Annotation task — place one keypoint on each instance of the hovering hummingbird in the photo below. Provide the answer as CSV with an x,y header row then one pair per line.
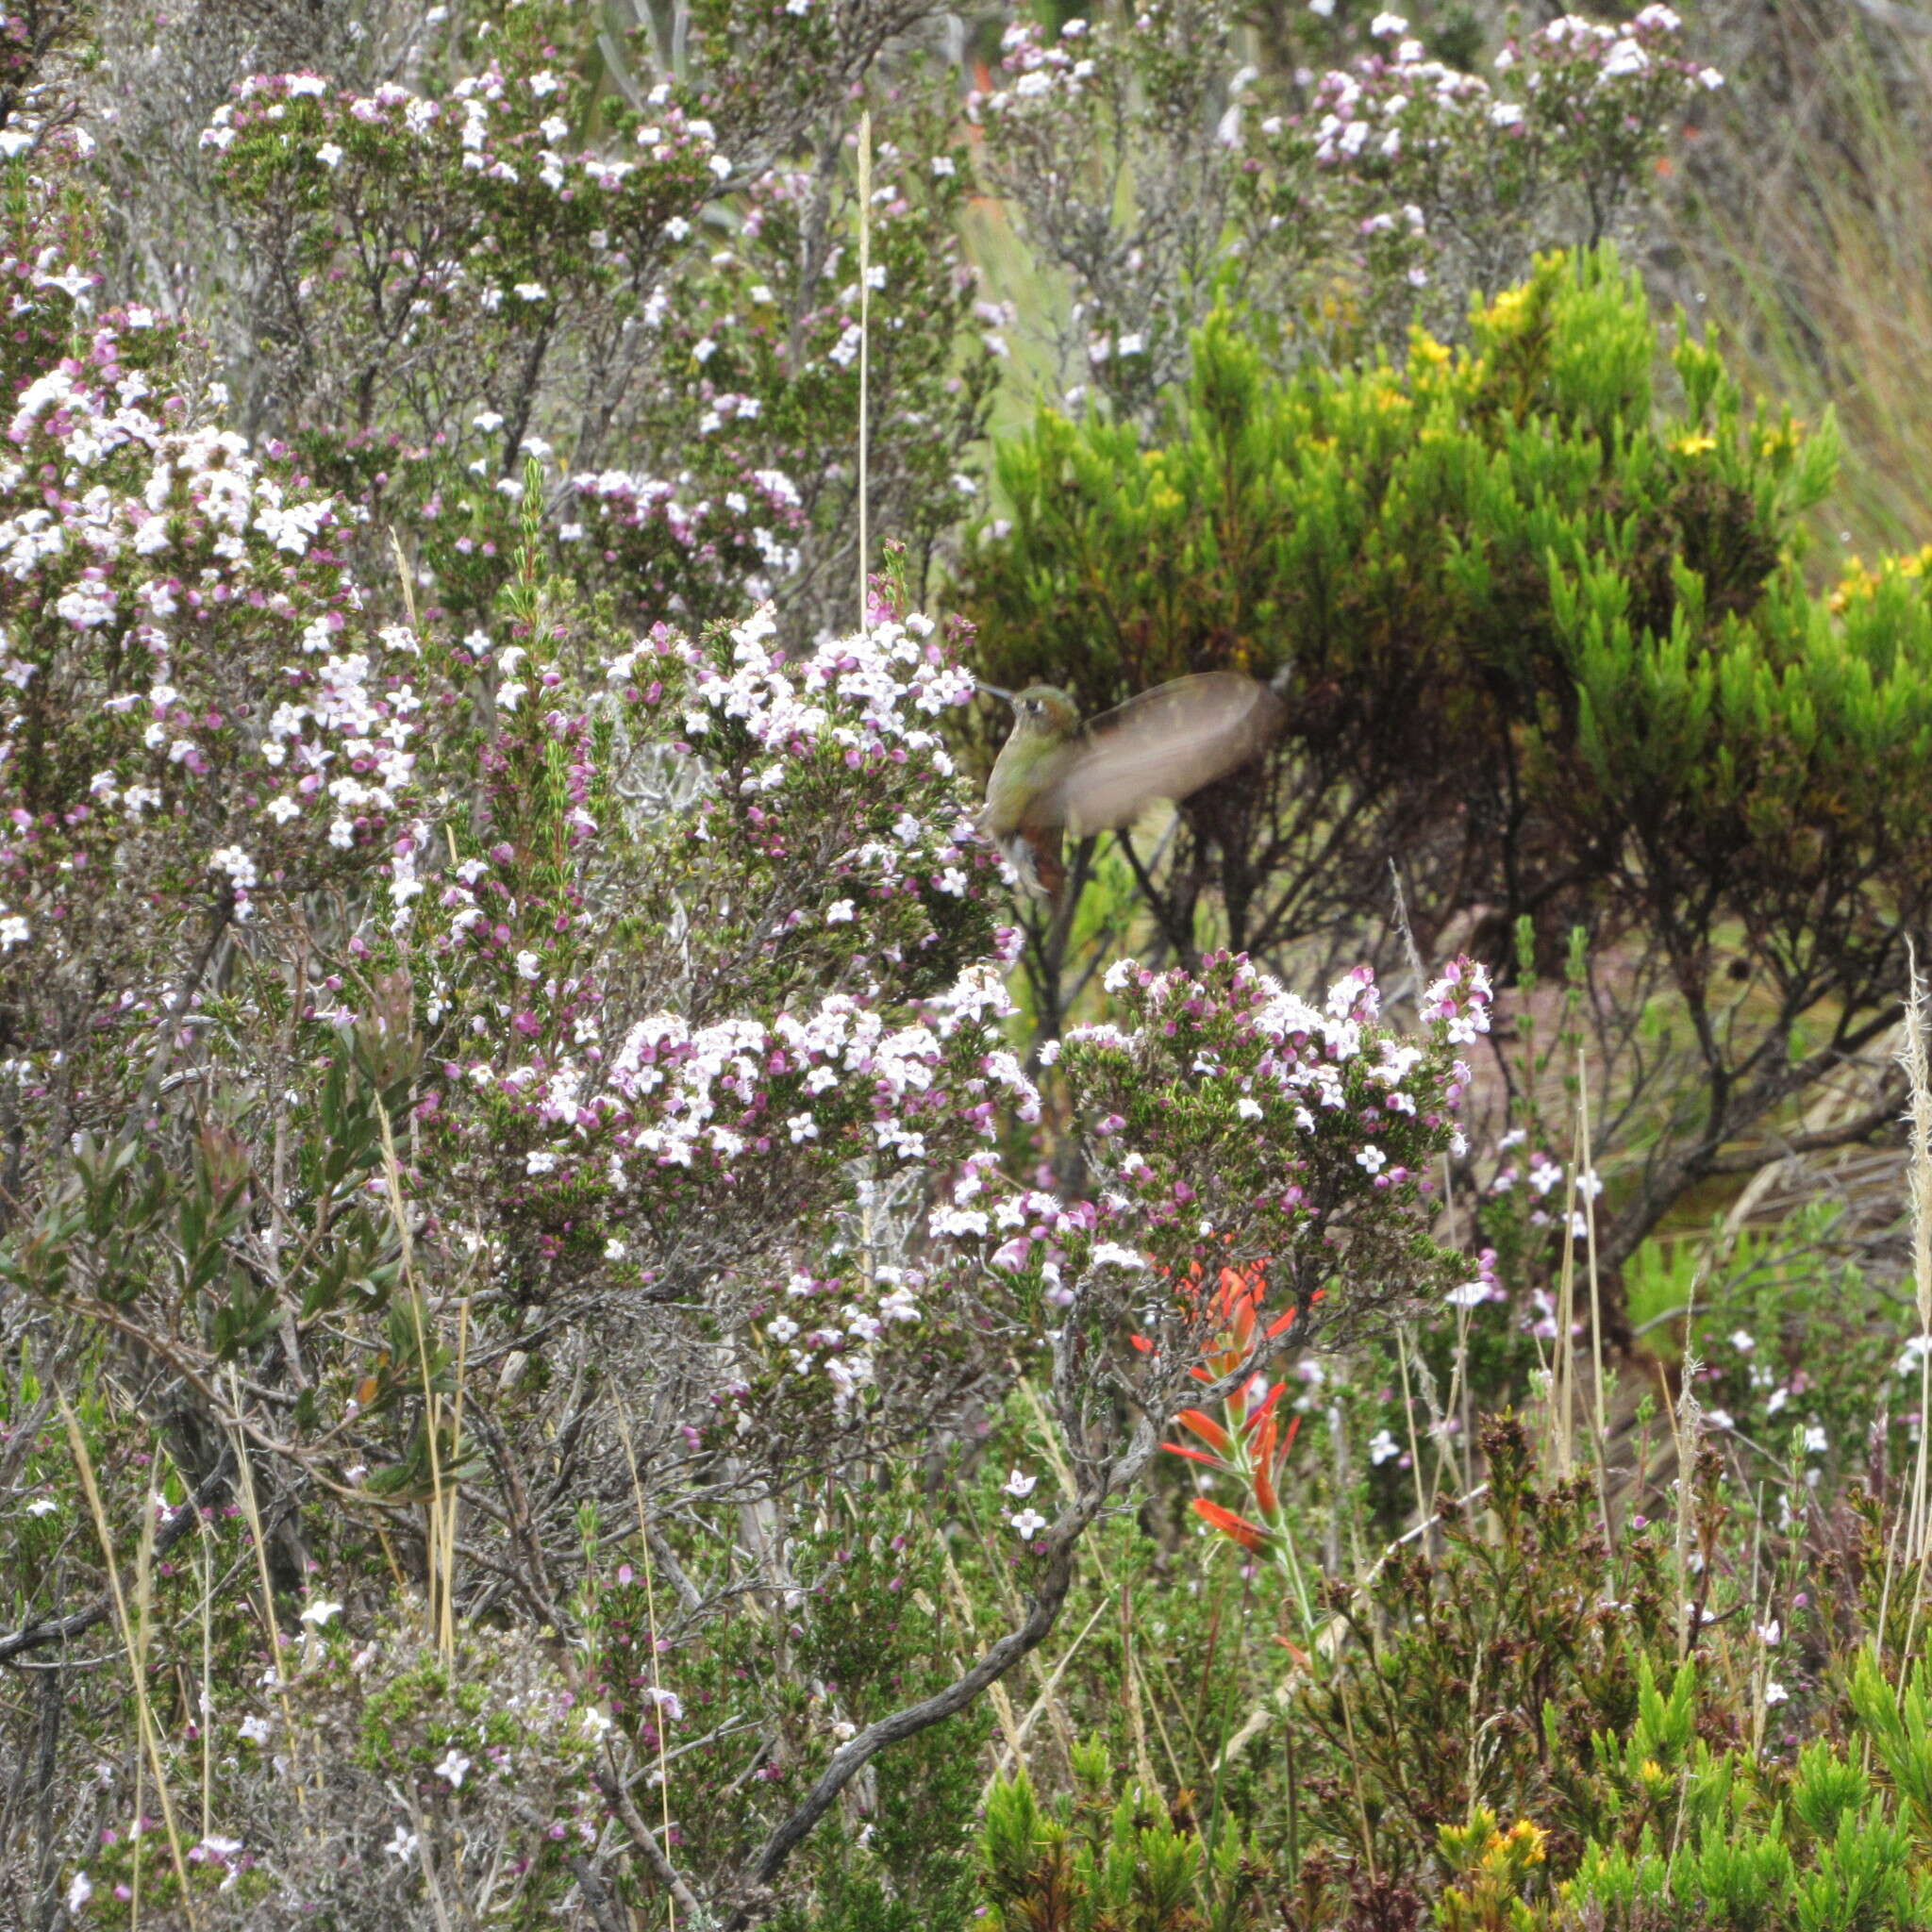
x,y
1054,773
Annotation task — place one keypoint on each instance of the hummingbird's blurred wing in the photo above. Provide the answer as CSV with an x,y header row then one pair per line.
x,y
1166,743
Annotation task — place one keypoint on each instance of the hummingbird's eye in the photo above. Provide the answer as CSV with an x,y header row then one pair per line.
x,y
1034,705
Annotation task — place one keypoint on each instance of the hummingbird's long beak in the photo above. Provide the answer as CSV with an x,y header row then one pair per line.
x,y
992,690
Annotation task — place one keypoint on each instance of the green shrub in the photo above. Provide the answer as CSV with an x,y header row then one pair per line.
x,y
1541,608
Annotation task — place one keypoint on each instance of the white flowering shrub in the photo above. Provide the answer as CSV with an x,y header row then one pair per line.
x,y
494,1745
501,262
1449,180
194,710
1232,1125
1424,180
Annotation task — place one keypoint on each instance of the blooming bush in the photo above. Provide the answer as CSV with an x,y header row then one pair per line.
x,y
509,265
1449,180
1410,173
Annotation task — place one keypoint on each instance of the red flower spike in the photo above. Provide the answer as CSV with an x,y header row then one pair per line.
x,y
1192,1455
1142,1343
1285,1322
1264,1471
1251,1536
1203,1425
1266,1402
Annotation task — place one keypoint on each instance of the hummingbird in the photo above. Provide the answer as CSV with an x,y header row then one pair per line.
x,y
1054,774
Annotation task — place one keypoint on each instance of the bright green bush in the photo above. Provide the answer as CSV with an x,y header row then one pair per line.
x,y
1540,607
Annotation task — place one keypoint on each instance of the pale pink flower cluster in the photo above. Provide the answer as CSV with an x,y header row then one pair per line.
x,y
1405,100
745,534
506,130
182,591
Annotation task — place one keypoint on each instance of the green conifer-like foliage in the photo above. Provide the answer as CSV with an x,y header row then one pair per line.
x,y
1540,607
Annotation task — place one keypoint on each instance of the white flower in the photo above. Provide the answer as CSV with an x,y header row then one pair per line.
x,y
1388,27
1469,1294
839,913
254,1730
1774,1692
42,1505
1770,1633
403,1845
1020,1485
1029,1522
1382,1447
236,863
1111,1254
1816,1441
320,1611
1371,1159
79,1892
455,1767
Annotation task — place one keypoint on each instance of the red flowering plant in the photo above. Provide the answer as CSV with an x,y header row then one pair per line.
x,y
1247,1443
1235,1132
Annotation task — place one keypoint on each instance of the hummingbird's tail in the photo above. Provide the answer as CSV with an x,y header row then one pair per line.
x,y
1036,857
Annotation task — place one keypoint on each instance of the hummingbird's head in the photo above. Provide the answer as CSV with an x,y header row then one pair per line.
x,y
1046,711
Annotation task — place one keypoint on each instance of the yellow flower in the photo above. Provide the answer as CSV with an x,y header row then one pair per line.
x,y
1695,445
1506,310
1526,1841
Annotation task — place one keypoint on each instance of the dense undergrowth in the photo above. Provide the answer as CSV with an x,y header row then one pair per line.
x,y
598,1324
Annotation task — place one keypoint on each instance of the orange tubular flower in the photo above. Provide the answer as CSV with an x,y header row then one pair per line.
x,y
1251,1420
1251,1536
1203,1425
1264,1466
